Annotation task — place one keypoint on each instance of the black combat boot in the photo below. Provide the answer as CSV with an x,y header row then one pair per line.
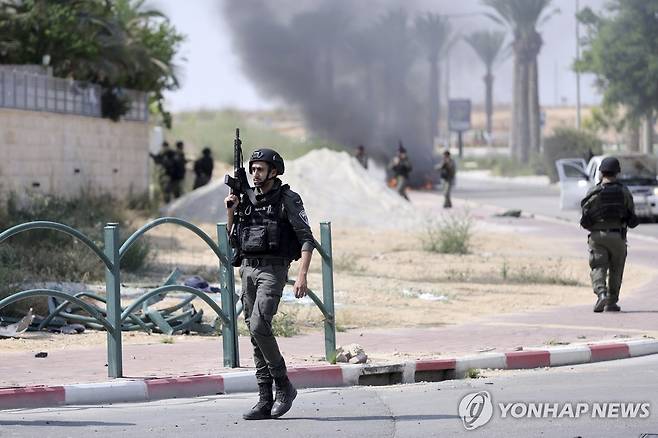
x,y
285,394
612,307
601,303
263,408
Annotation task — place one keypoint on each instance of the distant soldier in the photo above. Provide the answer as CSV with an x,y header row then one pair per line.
x,y
448,170
607,211
361,156
401,168
165,162
203,168
178,170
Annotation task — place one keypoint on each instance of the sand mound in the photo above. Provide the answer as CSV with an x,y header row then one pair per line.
x,y
332,184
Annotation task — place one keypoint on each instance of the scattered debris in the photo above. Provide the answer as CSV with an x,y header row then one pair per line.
x,y
352,353
69,329
427,296
21,326
41,354
485,349
509,213
200,283
66,317
431,297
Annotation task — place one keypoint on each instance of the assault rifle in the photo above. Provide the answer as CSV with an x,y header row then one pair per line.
x,y
238,182
239,186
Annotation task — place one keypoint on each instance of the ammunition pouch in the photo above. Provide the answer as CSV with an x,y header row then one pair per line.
x,y
260,239
253,239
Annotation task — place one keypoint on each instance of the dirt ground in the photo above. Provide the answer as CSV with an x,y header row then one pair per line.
x,y
386,279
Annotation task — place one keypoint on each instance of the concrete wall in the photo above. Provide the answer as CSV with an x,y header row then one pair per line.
x,y
64,154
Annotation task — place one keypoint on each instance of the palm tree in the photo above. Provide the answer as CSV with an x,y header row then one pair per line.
x,y
523,17
487,45
433,32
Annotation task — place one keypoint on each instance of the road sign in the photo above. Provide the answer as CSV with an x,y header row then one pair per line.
x,y
459,115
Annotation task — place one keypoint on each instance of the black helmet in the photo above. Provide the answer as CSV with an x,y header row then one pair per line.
x,y
610,165
269,156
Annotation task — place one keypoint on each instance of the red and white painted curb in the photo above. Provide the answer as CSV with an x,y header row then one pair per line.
x,y
139,390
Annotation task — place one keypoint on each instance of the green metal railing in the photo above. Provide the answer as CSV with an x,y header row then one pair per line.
x,y
113,317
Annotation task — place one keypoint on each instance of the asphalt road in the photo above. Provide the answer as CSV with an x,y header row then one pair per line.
x,y
530,198
429,409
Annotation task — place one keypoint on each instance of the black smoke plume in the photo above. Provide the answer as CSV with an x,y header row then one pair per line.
x,y
356,73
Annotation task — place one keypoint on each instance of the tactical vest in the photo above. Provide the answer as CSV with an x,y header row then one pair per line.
x,y
606,204
264,230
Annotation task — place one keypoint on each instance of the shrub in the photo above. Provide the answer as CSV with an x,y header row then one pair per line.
x,y
285,324
54,256
569,143
448,235
472,373
346,262
138,256
502,165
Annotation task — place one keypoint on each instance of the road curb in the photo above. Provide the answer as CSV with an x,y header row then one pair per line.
x,y
140,390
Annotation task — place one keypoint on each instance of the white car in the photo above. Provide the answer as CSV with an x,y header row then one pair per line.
x,y
638,173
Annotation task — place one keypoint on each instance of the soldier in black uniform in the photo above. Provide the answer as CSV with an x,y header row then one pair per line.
x,y
401,168
203,168
269,235
361,156
607,211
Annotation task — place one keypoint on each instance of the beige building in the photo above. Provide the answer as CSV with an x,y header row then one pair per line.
x,y
52,140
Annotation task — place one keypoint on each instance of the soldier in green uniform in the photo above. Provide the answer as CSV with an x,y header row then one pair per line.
x,y
607,211
269,235
448,171
165,161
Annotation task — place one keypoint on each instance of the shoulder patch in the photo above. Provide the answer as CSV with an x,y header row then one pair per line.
x,y
302,215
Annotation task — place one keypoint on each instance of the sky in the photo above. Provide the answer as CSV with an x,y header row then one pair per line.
x,y
212,77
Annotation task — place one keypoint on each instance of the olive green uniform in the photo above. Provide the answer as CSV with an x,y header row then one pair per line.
x,y
448,170
607,238
164,161
263,279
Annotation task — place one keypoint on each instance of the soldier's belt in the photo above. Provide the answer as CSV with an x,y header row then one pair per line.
x,y
265,261
610,230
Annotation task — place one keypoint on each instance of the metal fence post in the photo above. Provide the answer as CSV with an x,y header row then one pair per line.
x,y
14,90
227,283
328,291
113,285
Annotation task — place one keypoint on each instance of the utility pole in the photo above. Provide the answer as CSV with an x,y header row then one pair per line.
x,y
577,60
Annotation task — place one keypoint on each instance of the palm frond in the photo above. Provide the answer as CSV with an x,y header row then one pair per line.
x,y
487,44
521,16
433,33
